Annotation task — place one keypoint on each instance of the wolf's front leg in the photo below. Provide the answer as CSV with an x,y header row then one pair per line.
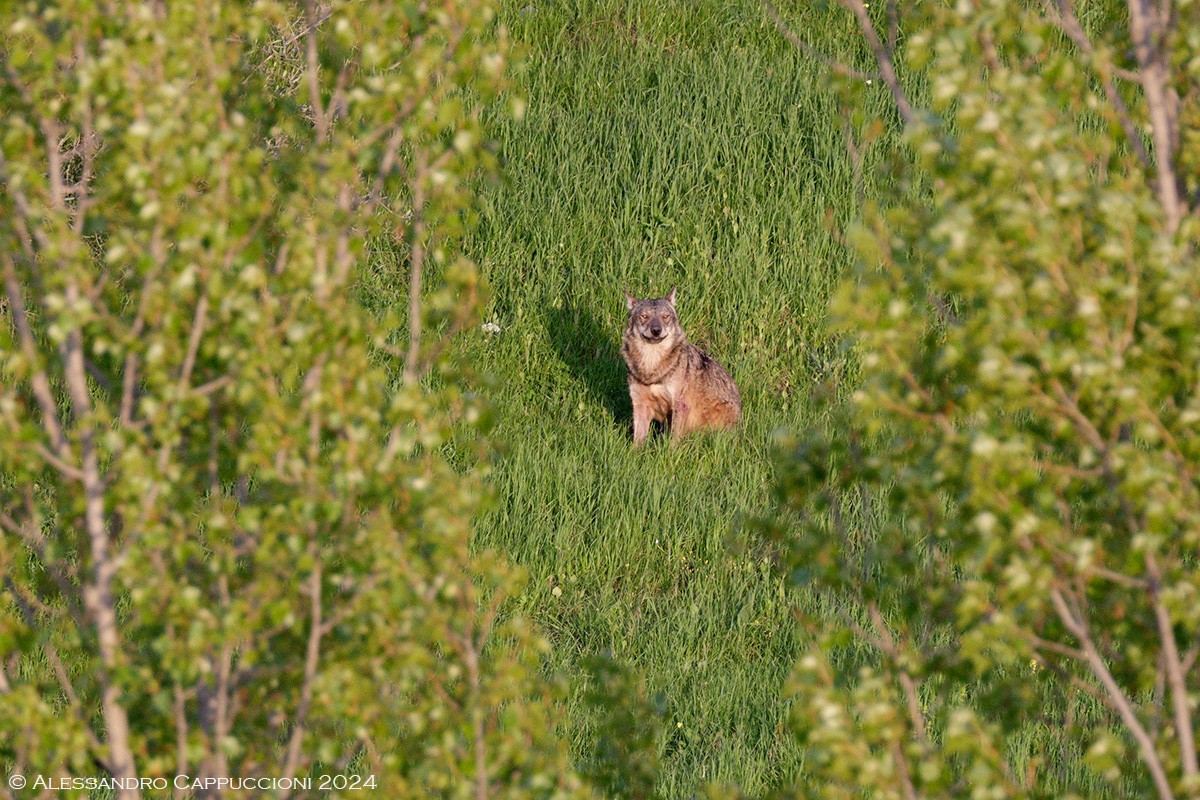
x,y
641,422
679,420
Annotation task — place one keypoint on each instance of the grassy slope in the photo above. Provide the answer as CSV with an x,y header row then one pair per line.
x,y
665,143
669,142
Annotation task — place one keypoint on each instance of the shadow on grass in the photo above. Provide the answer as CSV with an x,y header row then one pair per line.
x,y
589,350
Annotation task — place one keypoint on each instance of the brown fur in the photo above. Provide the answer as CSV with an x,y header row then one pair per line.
x,y
670,379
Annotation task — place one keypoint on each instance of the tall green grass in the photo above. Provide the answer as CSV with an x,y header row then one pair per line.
x,y
665,143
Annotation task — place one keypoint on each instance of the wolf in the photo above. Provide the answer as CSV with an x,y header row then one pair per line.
x,y
670,379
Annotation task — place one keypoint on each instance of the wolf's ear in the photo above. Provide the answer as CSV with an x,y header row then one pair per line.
x,y
629,301
671,297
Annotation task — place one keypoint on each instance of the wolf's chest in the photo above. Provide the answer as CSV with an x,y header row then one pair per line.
x,y
651,365
655,398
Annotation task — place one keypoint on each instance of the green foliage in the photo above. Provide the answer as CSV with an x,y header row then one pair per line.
x,y
1005,508
624,762
230,542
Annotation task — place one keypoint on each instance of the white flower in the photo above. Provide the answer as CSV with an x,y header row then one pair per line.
x,y
556,591
490,327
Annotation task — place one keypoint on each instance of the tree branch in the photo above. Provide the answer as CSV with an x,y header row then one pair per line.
x,y
98,592
60,671
38,380
1175,674
815,54
129,371
416,262
883,57
1065,20
1149,30
478,731
907,683
313,73
903,771
1078,628
311,660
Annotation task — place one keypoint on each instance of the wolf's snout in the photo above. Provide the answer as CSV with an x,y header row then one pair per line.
x,y
656,328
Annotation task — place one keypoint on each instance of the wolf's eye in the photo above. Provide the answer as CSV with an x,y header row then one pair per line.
x,y
643,317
